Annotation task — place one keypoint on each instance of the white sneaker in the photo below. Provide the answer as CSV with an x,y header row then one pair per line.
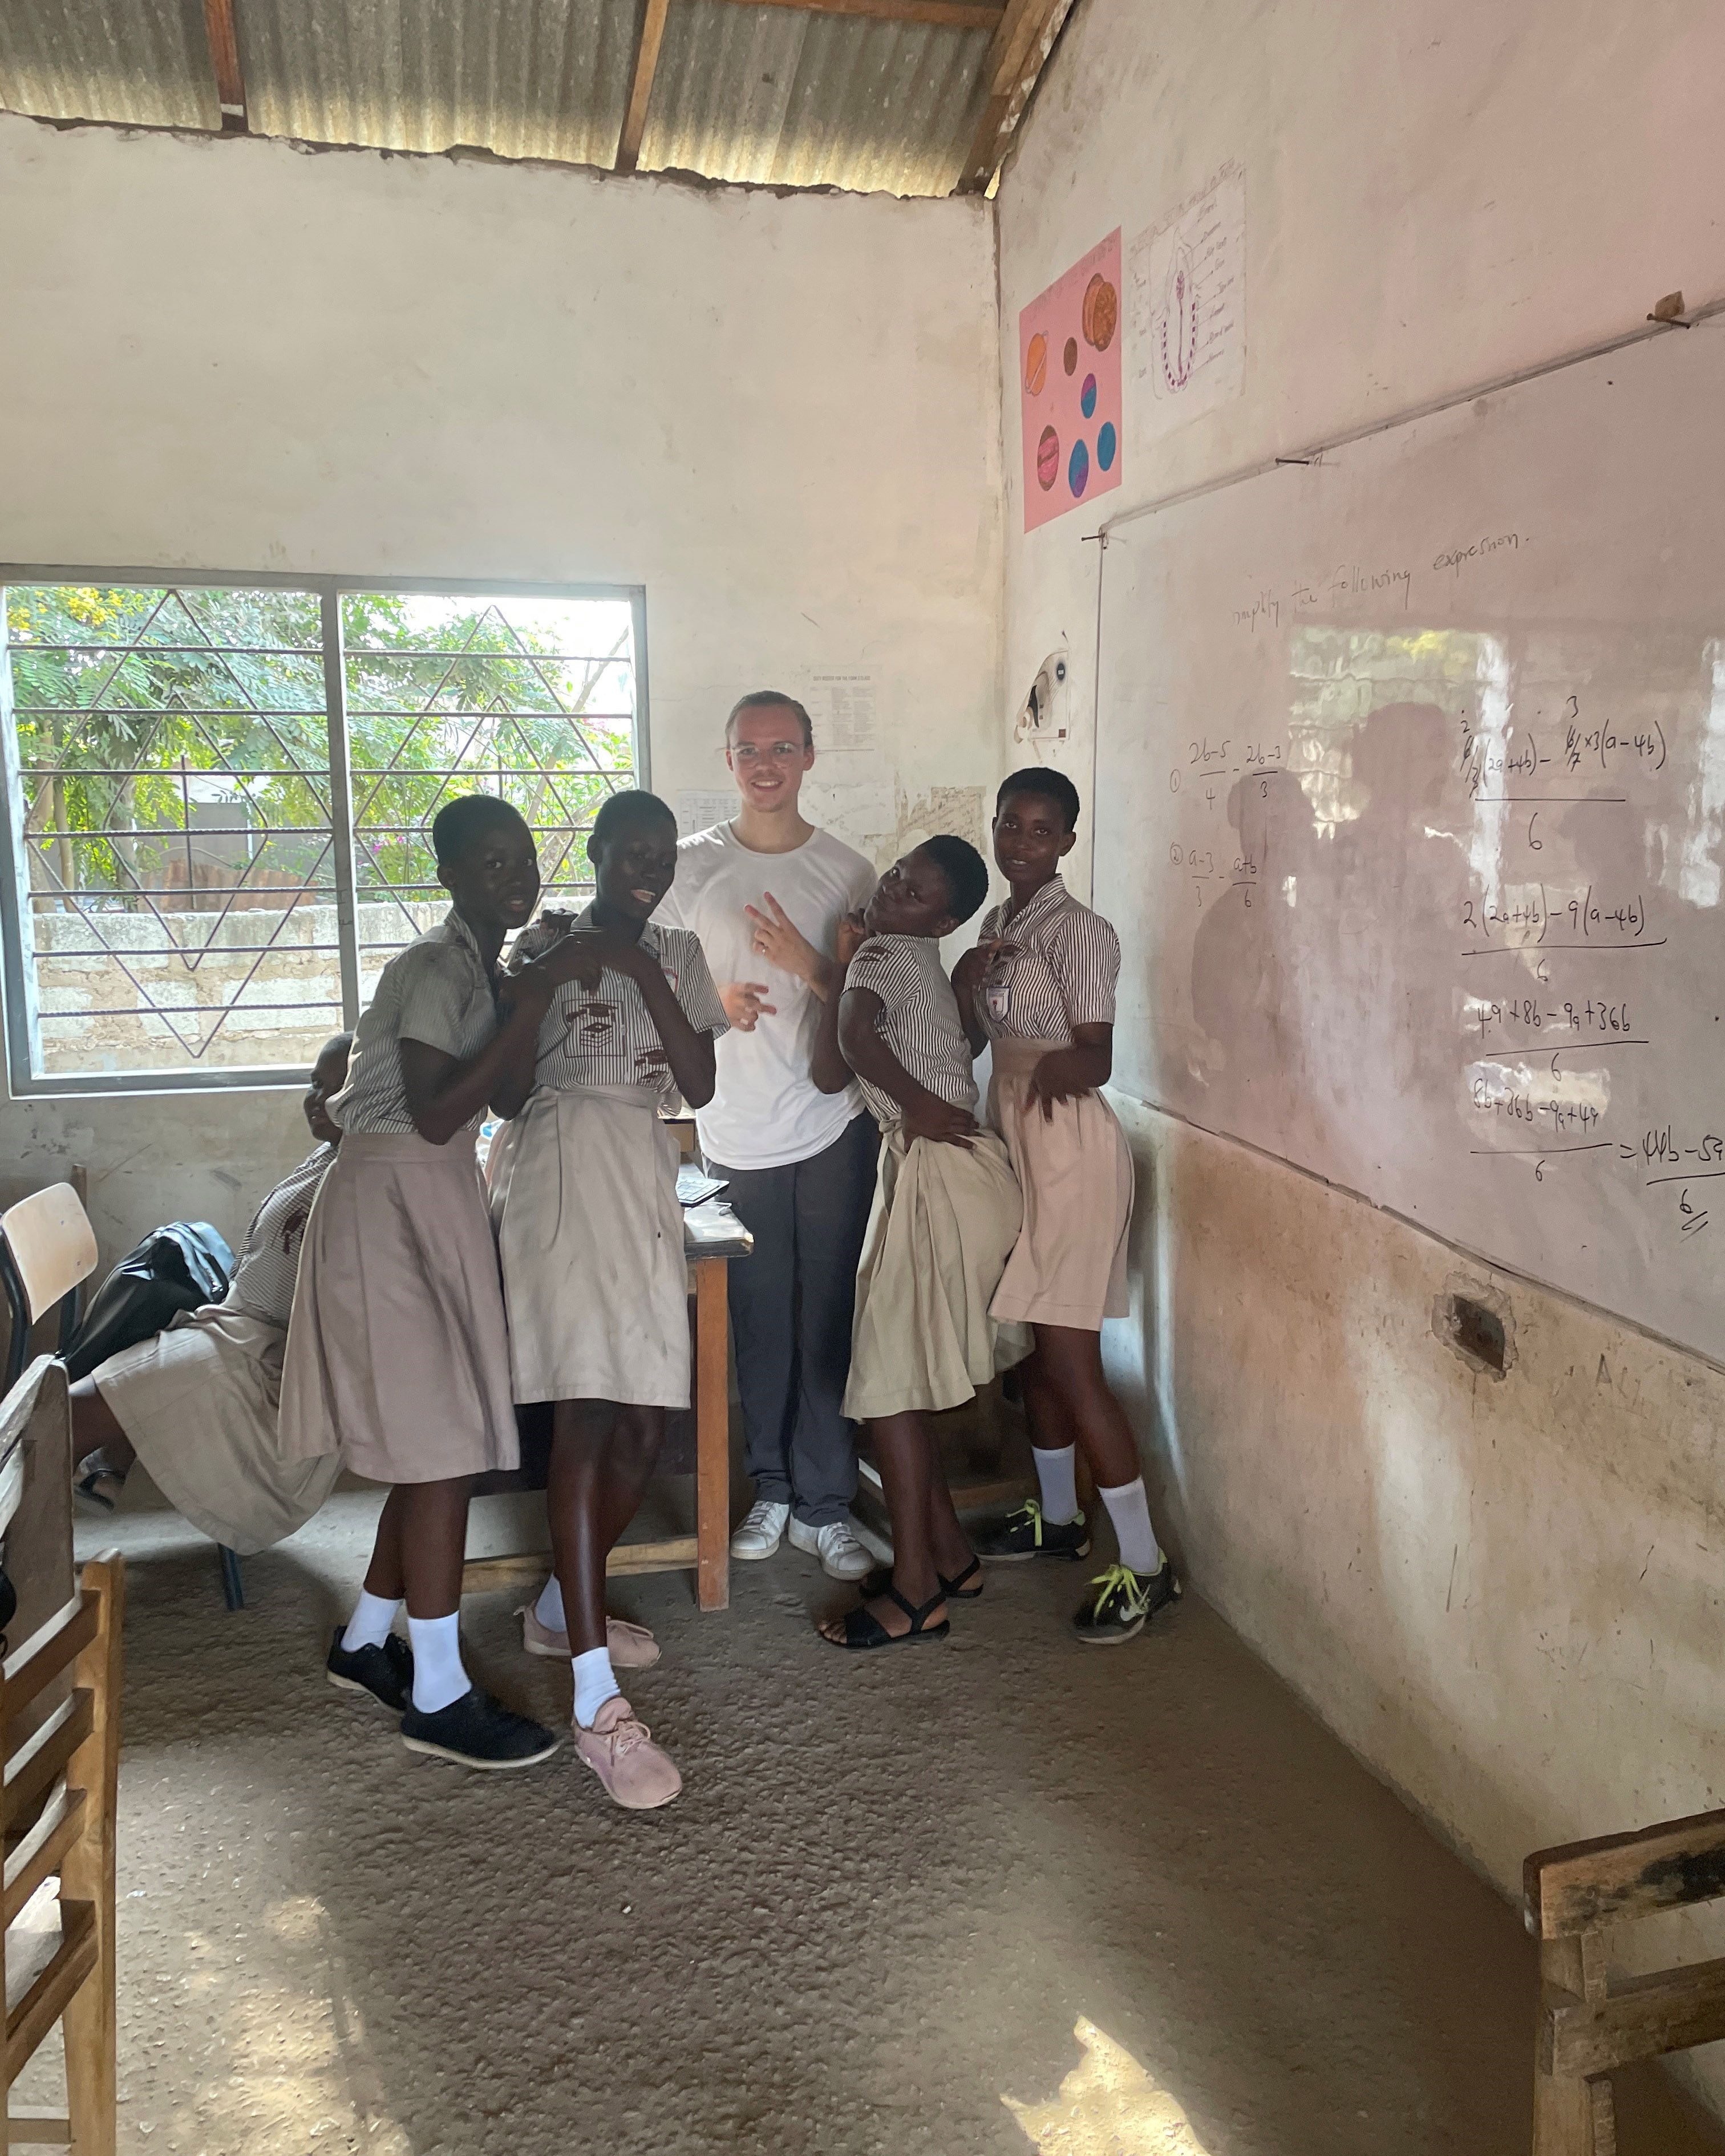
x,y
842,1556
760,1531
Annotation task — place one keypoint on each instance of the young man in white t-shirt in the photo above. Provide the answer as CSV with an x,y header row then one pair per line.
x,y
765,894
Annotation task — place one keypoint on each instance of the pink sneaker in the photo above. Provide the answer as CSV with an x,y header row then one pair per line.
x,y
621,1751
631,1647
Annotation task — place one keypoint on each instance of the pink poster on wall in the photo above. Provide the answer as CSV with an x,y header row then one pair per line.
x,y
1069,386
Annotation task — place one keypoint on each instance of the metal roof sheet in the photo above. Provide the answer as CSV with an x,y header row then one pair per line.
x,y
523,78
777,95
768,94
147,61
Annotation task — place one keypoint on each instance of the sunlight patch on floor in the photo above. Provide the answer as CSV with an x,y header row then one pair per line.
x,y
288,2070
1108,2106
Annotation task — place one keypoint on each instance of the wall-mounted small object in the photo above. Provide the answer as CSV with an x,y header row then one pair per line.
x,y
1476,1322
1670,309
1043,714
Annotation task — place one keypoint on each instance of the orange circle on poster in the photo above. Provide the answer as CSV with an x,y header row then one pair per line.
x,y
1101,313
1069,357
1048,459
1036,365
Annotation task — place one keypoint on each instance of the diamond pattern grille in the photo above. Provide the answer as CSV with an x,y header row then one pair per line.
x,y
177,902
534,702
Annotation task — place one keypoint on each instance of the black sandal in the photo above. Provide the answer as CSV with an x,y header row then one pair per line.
x,y
955,1590
88,1486
862,1629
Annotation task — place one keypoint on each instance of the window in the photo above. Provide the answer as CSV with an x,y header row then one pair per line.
x,y
219,796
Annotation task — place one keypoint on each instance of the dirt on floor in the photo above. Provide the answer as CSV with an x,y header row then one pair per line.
x,y
894,1887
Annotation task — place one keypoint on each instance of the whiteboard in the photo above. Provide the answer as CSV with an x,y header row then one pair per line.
x,y
1409,790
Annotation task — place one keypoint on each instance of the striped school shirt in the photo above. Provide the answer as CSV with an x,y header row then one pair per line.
x,y
438,990
918,1020
607,1036
1059,969
263,1285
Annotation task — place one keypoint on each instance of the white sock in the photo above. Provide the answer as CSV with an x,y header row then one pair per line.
x,y
1129,1509
1057,1472
549,1608
369,1625
595,1682
438,1677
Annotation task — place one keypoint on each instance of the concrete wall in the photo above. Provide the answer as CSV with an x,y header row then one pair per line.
x,y
1506,1594
779,413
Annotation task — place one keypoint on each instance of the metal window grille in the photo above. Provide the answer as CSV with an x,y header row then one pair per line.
x,y
219,795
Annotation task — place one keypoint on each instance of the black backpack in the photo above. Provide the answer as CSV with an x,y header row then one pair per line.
x,y
178,1267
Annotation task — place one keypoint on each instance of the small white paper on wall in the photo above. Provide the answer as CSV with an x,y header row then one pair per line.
x,y
1186,287
699,809
841,709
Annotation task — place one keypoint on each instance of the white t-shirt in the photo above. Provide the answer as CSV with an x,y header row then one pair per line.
x,y
765,1111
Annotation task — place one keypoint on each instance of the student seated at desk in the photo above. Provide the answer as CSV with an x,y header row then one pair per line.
x,y
584,1197
945,1215
198,1403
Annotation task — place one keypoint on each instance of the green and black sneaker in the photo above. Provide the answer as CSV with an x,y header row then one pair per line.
x,y
1026,1534
1121,1603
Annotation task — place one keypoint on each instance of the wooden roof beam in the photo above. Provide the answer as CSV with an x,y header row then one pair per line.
x,y
640,84
1022,44
224,55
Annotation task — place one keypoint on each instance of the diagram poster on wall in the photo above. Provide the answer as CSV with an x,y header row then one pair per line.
x,y
1187,280
1069,379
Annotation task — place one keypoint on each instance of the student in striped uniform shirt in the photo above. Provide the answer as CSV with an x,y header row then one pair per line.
x,y
945,1215
1039,987
584,1197
198,1402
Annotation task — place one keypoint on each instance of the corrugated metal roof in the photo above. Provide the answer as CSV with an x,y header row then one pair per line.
x,y
796,100
523,78
769,94
147,61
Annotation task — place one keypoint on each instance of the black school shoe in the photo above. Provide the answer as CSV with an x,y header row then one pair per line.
x,y
385,1672
1026,1534
478,1731
1121,1603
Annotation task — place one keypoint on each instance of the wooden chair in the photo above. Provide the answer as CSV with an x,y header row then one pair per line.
x,y
59,1741
67,1775
1571,1897
47,1249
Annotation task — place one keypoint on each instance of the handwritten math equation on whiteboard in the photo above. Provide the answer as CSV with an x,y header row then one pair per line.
x,y
1530,916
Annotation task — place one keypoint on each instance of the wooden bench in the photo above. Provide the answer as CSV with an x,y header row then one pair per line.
x,y
1572,1896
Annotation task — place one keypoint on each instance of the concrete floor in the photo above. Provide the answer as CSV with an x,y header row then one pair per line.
x,y
891,1888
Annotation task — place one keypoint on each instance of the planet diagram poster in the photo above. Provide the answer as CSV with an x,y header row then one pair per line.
x,y
1069,378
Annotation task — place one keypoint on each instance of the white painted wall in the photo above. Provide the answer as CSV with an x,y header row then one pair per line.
x,y
1504,1595
777,412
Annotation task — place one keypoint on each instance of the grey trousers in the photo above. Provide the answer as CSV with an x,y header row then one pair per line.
x,y
791,1308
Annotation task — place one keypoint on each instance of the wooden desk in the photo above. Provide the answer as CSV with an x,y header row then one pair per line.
x,y
707,1551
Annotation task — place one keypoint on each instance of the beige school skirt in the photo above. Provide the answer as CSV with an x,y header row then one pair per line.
x,y
943,1222
1068,1266
199,1404
584,1202
396,1353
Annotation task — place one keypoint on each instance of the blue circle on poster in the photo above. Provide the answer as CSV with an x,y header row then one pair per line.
x,y
1078,470
1087,397
1107,444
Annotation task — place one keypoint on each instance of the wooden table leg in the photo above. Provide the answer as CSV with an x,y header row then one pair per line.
x,y
712,1433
